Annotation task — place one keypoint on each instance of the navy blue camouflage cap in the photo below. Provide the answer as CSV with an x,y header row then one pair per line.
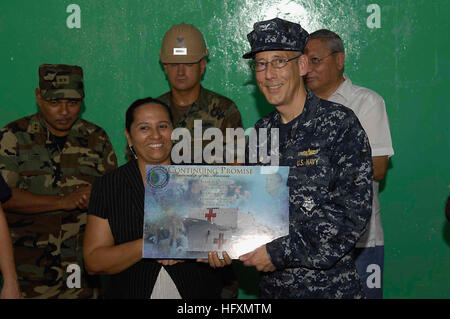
x,y
276,35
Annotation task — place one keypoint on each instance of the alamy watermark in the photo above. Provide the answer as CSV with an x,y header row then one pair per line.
x,y
237,147
74,279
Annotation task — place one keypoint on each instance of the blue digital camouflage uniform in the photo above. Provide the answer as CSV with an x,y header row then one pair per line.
x,y
46,243
330,184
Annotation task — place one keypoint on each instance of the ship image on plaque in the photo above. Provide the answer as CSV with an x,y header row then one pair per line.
x,y
191,210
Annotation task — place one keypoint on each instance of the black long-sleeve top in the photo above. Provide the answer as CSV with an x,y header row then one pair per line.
x,y
119,197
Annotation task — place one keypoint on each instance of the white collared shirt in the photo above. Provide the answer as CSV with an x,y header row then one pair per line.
x,y
164,287
370,109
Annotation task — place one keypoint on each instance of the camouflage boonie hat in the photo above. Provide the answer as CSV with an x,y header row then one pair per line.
x,y
276,35
60,81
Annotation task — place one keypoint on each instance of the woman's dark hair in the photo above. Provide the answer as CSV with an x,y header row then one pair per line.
x,y
129,115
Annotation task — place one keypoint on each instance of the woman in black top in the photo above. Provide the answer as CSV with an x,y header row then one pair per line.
x,y
113,240
10,288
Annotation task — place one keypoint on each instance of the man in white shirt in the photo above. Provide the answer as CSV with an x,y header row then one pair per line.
x,y
327,80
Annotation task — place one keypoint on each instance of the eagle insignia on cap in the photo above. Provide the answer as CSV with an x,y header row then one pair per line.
x,y
180,42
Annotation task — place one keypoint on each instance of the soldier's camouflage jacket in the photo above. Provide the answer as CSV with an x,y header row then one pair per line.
x,y
330,186
46,243
213,109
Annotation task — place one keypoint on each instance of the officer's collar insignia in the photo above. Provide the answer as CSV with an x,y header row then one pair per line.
x,y
180,42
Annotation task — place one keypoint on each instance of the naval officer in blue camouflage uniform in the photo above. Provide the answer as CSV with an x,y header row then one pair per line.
x,y
330,177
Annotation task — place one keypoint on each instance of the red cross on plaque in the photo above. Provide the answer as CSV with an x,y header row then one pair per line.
x,y
210,214
220,240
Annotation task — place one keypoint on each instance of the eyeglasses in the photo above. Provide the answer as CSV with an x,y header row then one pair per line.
x,y
317,61
278,63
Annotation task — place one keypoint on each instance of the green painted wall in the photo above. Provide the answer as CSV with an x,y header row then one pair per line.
x,y
406,60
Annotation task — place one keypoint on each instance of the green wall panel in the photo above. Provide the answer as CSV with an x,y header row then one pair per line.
x,y
406,60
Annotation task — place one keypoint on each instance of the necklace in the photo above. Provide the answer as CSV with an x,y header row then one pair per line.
x,y
59,141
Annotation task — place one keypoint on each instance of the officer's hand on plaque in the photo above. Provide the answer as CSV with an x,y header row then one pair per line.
x,y
258,258
214,261
447,207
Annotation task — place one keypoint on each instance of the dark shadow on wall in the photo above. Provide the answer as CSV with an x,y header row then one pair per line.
x,y
83,108
446,226
383,182
446,232
262,106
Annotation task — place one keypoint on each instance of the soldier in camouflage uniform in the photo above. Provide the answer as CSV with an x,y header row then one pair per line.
x,y
183,54
330,179
50,160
